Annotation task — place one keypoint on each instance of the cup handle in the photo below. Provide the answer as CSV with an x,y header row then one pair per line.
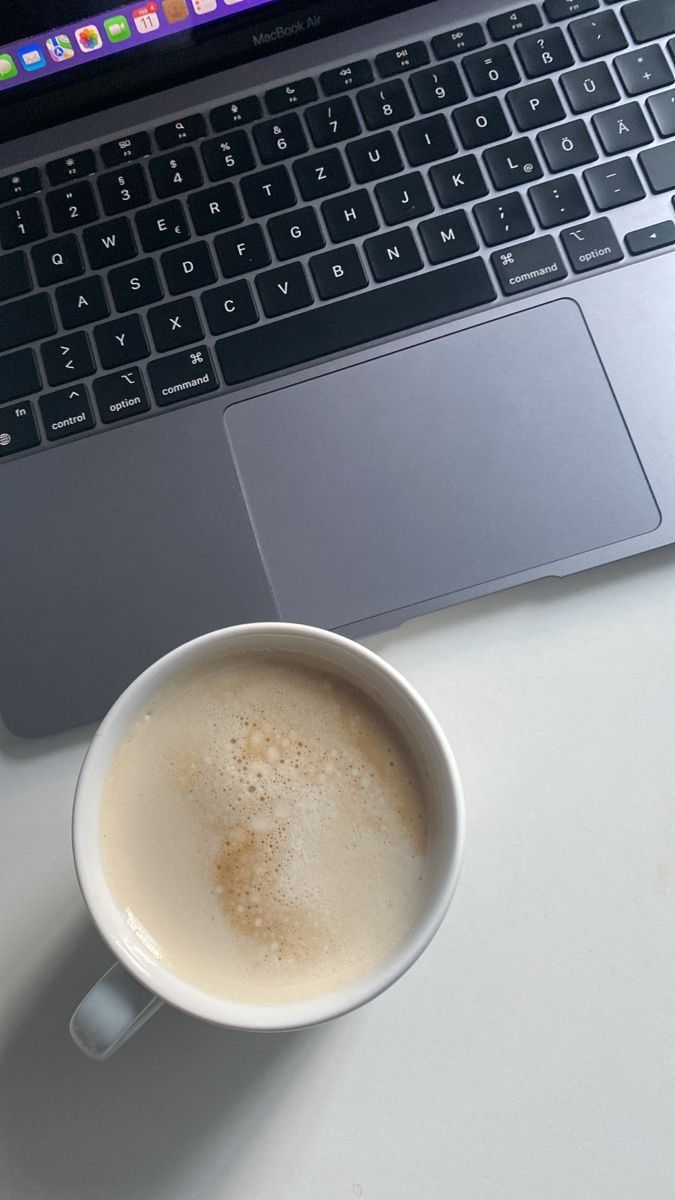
x,y
111,1012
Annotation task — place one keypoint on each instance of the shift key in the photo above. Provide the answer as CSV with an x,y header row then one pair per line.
x,y
528,265
26,320
182,376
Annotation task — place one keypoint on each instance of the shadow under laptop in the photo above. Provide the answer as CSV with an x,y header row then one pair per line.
x,y
74,1129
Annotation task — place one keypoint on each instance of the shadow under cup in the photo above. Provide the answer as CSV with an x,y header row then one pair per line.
x,y
443,798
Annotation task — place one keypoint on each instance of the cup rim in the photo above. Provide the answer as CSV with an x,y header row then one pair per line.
x,y
161,981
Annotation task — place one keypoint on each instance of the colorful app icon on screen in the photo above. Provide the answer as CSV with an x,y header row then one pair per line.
x,y
60,47
145,18
175,11
7,67
32,58
204,6
117,28
88,38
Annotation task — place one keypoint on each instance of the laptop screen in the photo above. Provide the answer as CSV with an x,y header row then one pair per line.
x,y
86,54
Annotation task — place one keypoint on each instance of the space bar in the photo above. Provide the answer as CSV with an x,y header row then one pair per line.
x,y
347,323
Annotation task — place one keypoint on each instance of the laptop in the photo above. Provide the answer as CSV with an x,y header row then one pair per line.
x,y
326,312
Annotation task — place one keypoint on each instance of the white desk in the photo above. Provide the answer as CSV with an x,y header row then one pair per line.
x,y
530,1055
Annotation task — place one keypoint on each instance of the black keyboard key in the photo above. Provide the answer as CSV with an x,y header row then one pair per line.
x,y
175,173
188,269
121,395
351,75
185,129
510,24
590,87
321,175
662,111
162,226
490,70
560,10
658,165
289,95
402,59
374,157
18,430
268,192
67,358
456,182
121,341
503,219
393,254
447,237
545,52
622,128
438,87
513,164
14,275
236,112
134,285
22,222
458,41
215,208
280,139
183,376
225,157
296,233
73,166
591,245
404,198
350,216
124,189
125,149
66,413
651,237
535,105
385,104
284,290
597,35
19,376
528,265
368,316
558,201
481,123
175,324
230,307
567,146
26,320
649,19
72,206
615,183
338,272
20,183
57,259
242,251
643,70
83,302
109,243
427,140
333,121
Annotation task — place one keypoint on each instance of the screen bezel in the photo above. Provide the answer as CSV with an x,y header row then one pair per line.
x,y
141,71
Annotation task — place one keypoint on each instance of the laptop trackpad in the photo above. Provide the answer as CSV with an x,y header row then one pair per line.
x,y
468,458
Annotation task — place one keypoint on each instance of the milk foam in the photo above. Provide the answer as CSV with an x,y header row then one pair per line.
x,y
264,829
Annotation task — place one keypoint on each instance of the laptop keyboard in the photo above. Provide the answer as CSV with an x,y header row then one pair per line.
x,y
382,195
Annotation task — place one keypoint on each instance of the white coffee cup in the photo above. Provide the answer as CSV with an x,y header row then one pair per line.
x,y
137,984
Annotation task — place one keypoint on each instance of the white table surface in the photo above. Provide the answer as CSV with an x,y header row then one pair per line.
x,y
530,1055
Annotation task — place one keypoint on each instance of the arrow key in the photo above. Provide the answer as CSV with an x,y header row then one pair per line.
x,y
651,237
67,412
67,358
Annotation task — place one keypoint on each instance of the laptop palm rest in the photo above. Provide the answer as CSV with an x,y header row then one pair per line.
x,y
424,471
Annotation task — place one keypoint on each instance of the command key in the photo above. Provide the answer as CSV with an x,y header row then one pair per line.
x,y
528,265
182,376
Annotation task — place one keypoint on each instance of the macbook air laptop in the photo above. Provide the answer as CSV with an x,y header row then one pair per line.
x,y
335,312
